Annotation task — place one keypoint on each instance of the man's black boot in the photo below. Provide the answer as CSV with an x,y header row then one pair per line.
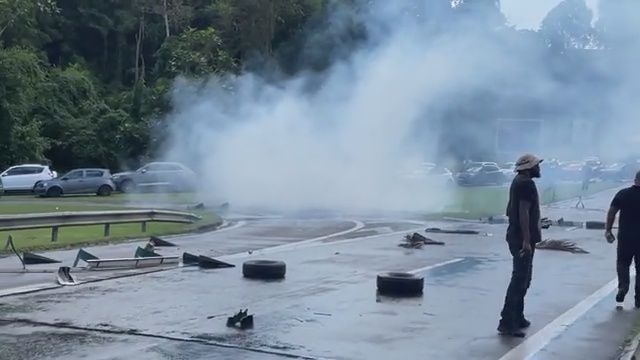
x,y
524,323
509,330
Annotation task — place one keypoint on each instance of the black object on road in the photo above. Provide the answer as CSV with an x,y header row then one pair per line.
x,y
264,269
400,284
241,320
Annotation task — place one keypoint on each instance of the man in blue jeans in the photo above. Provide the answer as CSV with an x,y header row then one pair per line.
x,y
523,233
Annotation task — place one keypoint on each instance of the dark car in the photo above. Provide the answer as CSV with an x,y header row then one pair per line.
x,y
485,174
167,176
75,182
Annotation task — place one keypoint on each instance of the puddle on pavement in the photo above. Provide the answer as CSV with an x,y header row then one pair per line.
x,y
35,343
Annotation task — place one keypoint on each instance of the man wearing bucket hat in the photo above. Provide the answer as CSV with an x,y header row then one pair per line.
x,y
523,232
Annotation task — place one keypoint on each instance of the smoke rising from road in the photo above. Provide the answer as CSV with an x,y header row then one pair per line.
x,y
346,141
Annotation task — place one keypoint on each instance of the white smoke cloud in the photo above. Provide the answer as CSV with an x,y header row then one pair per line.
x,y
344,145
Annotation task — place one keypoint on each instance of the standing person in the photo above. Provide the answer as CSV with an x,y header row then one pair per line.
x,y
523,233
627,202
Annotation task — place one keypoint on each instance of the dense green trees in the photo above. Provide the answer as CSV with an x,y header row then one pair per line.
x,y
83,82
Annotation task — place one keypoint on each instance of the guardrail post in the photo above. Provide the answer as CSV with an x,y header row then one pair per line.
x,y
54,234
107,230
143,226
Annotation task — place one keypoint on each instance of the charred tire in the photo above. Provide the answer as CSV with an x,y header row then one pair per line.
x,y
104,190
54,192
127,186
400,284
594,225
264,269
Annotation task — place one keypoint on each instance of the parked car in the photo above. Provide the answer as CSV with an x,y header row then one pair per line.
x,y
1,188
78,181
22,178
170,176
618,172
571,171
487,173
431,173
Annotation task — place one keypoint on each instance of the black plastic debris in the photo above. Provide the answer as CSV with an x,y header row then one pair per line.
x,y
157,242
199,206
35,259
561,245
457,231
241,320
546,222
563,222
417,241
594,225
84,256
206,262
189,259
145,253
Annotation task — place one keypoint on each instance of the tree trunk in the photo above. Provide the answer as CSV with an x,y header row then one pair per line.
x,y
139,47
166,18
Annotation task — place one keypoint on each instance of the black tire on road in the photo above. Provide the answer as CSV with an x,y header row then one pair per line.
x,y
264,269
104,190
54,192
400,284
594,225
127,186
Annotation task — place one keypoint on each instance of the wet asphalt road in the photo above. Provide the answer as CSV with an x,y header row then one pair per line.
x,y
327,306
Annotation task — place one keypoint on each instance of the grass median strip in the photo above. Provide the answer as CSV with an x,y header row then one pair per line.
x,y
476,202
75,236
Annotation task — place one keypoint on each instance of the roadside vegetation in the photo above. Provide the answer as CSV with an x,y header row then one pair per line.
x,y
40,239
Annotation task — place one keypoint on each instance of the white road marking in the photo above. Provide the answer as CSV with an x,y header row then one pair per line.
x,y
28,289
295,245
430,267
532,345
235,226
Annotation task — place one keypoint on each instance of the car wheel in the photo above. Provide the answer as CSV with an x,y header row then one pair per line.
x,y
54,192
264,269
400,284
104,190
127,186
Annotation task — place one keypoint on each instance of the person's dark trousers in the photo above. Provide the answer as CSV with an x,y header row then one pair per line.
x,y
628,252
513,309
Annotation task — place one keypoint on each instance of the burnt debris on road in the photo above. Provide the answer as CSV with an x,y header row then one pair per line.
x,y
330,266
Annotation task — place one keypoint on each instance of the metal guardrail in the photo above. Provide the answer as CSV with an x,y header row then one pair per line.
x,y
87,218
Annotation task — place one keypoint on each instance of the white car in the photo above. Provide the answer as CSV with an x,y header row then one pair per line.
x,y
22,178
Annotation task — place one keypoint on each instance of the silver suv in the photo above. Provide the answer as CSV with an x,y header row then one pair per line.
x,y
167,176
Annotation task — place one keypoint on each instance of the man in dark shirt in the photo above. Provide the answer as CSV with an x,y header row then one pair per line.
x,y
627,202
523,232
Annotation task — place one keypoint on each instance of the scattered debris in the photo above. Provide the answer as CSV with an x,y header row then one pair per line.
x,y
158,242
561,245
457,231
264,269
594,225
64,276
400,284
322,314
199,206
417,241
35,259
546,222
241,320
563,222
